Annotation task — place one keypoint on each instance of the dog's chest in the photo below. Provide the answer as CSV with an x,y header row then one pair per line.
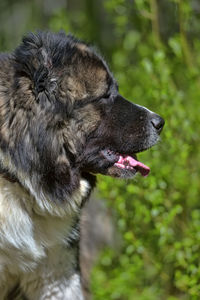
x,y
51,231
26,237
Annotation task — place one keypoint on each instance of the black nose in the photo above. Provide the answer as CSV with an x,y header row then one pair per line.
x,y
157,122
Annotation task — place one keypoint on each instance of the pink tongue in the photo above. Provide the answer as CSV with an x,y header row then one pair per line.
x,y
129,161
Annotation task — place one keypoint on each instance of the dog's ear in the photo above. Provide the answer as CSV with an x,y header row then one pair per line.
x,y
42,74
44,80
34,60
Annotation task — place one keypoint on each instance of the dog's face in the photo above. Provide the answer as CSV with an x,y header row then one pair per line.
x,y
124,130
67,118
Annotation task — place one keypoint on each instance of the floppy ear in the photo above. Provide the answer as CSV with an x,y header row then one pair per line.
x,y
34,60
44,81
38,58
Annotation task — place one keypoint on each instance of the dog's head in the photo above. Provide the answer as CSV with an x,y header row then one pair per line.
x,y
62,117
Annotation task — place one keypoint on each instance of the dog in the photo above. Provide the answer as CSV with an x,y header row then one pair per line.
x,y
62,121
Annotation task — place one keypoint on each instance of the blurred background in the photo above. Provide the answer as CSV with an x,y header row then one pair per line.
x,y
151,226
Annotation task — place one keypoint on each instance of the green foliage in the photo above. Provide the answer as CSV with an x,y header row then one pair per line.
x,y
158,217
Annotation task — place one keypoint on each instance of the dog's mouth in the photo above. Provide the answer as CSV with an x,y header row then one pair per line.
x,y
124,163
131,163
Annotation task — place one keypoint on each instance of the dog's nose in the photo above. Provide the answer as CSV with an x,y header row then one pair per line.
x,y
157,122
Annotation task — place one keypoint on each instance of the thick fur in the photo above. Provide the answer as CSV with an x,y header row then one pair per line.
x,y
59,109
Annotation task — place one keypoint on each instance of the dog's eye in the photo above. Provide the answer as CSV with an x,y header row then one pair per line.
x,y
106,96
105,99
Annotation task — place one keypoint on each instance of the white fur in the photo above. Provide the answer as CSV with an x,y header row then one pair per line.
x,y
33,243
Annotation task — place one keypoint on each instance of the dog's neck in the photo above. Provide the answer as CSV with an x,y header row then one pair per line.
x,y
43,207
